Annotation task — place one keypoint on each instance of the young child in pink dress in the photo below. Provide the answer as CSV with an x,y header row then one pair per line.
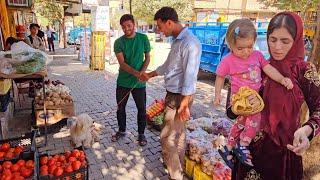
x,y
243,65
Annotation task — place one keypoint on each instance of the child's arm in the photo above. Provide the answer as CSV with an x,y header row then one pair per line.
x,y
274,74
217,90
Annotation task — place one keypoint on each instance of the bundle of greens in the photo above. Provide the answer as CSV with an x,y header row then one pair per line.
x,y
35,63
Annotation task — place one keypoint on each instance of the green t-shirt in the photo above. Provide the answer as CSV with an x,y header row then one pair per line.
x,y
133,50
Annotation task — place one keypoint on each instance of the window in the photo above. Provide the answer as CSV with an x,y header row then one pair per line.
x,y
19,3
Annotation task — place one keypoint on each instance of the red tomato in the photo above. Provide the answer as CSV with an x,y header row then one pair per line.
x,y
68,169
44,168
75,153
76,165
1,168
21,162
72,159
82,154
2,154
56,157
67,154
11,150
62,158
30,164
18,150
5,147
44,160
58,164
15,168
44,172
16,174
17,177
26,173
7,165
9,155
51,169
51,162
58,171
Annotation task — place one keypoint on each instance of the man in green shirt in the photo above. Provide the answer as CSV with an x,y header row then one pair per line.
x,y
132,51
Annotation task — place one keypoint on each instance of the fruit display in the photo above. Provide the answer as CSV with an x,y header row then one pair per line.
x,y
67,165
22,169
46,82
7,152
155,109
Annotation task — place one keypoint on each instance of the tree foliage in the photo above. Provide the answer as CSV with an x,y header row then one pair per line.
x,y
292,5
145,10
49,9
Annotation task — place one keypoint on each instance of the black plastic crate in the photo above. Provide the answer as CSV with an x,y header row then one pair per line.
x,y
32,155
81,174
27,141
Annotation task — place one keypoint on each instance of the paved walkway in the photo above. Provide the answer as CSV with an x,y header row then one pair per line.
x,y
94,93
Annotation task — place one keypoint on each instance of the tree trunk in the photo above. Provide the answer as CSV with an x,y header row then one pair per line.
x,y
315,56
64,32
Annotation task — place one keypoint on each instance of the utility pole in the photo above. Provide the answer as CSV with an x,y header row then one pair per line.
x,y
315,56
130,6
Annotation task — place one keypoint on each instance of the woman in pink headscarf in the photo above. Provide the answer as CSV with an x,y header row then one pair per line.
x,y
277,149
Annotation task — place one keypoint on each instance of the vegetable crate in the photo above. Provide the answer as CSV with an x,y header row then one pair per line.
x,y
156,108
71,165
20,169
15,148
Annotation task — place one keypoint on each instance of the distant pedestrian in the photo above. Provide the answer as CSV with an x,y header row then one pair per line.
x,y
50,38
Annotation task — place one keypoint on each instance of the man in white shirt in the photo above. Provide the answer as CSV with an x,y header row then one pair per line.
x,y
50,38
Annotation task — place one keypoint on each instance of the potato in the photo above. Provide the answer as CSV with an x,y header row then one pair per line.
x,y
56,95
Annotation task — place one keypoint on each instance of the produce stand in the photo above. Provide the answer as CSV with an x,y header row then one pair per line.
x,y
36,76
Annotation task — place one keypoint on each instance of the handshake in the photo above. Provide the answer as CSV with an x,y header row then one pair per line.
x,y
143,76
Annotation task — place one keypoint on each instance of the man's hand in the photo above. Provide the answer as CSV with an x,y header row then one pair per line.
x,y
184,113
144,76
287,83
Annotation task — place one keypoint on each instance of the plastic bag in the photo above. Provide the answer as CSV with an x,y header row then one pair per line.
x,y
5,66
222,126
22,52
209,161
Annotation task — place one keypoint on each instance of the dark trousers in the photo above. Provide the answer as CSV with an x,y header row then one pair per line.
x,y
50,44
139,96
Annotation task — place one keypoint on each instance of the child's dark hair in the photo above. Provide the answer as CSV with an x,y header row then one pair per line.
x,y
126,17
240,28
167,13
283,20
11,40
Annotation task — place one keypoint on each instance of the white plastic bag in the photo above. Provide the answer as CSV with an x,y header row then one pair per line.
x,y
22,52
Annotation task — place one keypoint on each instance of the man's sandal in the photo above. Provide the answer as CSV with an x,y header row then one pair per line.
x,y
142,140
117,136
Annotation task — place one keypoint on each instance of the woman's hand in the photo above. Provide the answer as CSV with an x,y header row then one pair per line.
x,y
300,142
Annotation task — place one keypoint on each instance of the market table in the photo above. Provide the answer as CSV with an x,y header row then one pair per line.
x,y
36,76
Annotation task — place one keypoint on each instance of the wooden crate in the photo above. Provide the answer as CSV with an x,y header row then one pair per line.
x,y
54,114
98,44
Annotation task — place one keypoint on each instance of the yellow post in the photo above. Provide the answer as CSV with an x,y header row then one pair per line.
x,y
4,20
98,43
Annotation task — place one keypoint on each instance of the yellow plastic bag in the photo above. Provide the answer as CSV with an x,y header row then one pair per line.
x,y
241,105
199,175
189,166
5,85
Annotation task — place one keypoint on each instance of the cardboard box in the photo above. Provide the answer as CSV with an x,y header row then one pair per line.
x,y
54,115
4,121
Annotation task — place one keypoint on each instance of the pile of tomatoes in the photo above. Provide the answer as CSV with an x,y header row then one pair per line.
x,y
57,165
18,171
7,152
